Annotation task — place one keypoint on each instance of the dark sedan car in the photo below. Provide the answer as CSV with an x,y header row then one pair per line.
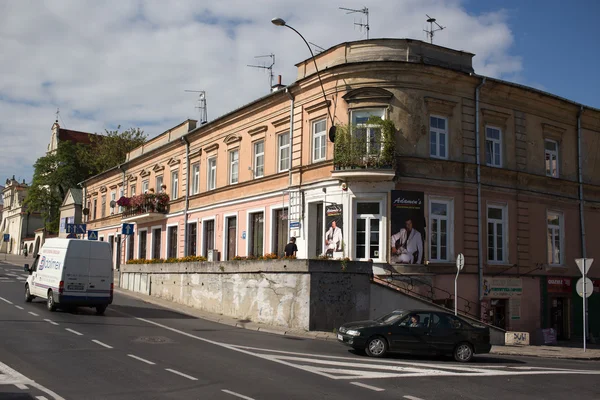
x,y
417,332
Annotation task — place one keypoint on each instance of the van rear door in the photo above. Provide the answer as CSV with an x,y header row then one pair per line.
x,y
75,270
100,276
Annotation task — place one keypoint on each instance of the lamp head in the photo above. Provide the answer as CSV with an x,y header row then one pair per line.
x,y
278,22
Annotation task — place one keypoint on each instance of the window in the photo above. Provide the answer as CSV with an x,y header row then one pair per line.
x,y
191,238
234,161
130,247
143,242
113,197
145,187
440,223
496,231
172,251
174,184
368,231
208,236
211,182
551,152
259,159
95,208
283,141
156,242
256,234
362,130
555,245
493,146
103,205
319,129
438,132
196,178
159,183
132,191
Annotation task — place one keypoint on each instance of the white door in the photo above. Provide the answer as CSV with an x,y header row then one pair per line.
x,y
33,288
367,230
100,271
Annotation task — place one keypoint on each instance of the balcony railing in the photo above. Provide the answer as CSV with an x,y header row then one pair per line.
x,y
354,151
144,204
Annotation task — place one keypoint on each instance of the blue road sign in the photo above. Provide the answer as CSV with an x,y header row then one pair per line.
x,y
80,229
70,228
294,224
6,237
92,235
127,229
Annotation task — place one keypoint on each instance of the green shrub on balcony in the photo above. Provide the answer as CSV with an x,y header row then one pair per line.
x,y
372,145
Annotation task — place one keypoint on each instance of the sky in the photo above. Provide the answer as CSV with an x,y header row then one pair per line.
x,y
128,63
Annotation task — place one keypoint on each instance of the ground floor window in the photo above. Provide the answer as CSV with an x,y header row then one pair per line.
x,y
172,250
368,230
191,238
143,241
256,234
280,232
156,242
208,236
231,237
130,247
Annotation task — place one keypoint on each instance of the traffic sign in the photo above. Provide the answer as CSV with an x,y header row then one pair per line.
x,y
127,229
460,261
92,235
78,229
6,237
584,261
70,228
589,287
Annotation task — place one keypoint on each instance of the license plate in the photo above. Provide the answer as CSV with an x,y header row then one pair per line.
x,y
75,286
340,337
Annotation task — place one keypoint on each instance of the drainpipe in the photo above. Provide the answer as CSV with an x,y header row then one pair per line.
x,y
120,244
580,178
291,97
479,228
187,192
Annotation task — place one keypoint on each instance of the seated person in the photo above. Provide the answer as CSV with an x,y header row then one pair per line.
x,y
415,322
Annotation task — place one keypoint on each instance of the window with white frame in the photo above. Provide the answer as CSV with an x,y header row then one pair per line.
x,y
113,197
211,182
555,240
440,229
496,232
196,178
361,129
159,183
551,153
234,166
283,141
259,159
145,185
319,129
103,210
438,137
174,184
132,191
493,146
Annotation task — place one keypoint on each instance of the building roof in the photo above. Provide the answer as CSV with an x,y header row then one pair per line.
x,y
74,136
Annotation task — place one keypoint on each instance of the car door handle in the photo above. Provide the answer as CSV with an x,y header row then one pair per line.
x,y
92,286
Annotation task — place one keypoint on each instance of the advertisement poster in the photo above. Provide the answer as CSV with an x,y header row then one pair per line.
x,y
408,227
334,236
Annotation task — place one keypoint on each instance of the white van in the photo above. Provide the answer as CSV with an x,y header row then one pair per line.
x,y
72,272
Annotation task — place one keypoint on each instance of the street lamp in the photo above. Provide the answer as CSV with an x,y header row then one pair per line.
x,y
332,129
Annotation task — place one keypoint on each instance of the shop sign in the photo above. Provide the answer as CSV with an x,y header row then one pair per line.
x,y
559,285
502,288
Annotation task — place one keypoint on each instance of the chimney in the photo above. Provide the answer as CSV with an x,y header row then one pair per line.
x,y
278,86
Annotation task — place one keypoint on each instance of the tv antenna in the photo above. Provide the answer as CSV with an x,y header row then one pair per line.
x,y
268,68
318,49
201,105
360,24
431,30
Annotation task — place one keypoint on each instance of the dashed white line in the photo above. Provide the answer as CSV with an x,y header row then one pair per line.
x,y
34,314
73,331
6,301
21,386
101,344
181,374
19,307
241,396
412,397
41,398
376,389
141,359
51,322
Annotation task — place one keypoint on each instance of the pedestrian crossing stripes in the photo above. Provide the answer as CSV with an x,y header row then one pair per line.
x,y
9,376
352,368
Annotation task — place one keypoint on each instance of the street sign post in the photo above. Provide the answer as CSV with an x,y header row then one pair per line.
x,y
6,239
92,235
583,285
460,263
127,229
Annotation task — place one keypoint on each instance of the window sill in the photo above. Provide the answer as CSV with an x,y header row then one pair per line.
x,y
499,264
493,166
438,157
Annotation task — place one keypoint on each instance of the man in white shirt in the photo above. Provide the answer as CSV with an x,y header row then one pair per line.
x,y
333,239
407,245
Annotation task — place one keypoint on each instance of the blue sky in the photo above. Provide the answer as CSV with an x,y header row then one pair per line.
x,y
131,63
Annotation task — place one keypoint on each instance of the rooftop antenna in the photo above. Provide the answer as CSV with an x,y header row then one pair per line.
x,y
268,68
318,49
431,31
365,11
201,105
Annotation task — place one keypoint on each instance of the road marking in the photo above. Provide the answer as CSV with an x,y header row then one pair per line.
x,y
6,301
181,374
241,396
19,307
101,344
41,397
141,359
368,386
34,314
73,331
51,322
4,277
412,397
10,376
21,386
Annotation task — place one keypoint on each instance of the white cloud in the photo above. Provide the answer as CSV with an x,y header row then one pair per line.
x,y
128,63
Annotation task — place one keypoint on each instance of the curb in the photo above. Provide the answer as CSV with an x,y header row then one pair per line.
x,y
577,358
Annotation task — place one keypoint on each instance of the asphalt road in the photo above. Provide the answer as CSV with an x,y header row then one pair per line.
x,y
141,351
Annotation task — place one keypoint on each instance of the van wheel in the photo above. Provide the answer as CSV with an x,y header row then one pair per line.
x,y
50,304
100,309
28,296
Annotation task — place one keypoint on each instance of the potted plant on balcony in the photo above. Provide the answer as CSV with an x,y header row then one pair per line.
x,y
162,200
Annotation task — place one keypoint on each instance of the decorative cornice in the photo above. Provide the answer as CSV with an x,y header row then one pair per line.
x,y
281,121
114,186
144,173
494,117
258,130
441,106
232,139
211,147
195,153
131,178
369,95
174,162
103,189
319,106
553,131
158,168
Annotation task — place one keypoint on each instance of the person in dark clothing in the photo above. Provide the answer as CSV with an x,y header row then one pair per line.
x,y
291,248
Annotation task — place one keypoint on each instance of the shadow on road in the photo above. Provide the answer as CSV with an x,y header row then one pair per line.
x,y
120,311
477,359
16,396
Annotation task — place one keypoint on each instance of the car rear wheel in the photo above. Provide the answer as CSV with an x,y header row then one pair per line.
x,y
50,304
463,352
376,347
28,296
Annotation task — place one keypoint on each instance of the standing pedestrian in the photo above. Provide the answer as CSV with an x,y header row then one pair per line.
x,y
291,248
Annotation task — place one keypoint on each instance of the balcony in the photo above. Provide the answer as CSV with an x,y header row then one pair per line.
x,y
144,208
364,155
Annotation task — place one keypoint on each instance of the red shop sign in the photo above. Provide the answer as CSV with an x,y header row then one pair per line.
x,y
559,285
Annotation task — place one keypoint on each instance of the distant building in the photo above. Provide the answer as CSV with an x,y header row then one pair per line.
x,y
70,210
66,135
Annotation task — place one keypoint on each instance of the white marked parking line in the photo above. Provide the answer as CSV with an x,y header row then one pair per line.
x,y
141,359
19,307
241,396
367,386
51,322
73,331
101,344
6,301
34,314
412,397
181,374
21,386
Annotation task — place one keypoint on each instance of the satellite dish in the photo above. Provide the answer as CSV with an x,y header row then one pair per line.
x,y
332,134
113,203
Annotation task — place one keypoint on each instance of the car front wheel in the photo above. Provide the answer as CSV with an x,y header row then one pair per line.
x,y
463,352
28,296
376,347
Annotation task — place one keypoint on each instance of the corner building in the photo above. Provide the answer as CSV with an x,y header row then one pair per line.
x,y
505,174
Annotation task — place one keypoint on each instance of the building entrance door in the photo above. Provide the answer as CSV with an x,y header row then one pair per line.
x,y
498,311
231,237
558,317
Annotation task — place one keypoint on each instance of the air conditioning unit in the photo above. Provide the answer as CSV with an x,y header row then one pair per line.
x,y
213,255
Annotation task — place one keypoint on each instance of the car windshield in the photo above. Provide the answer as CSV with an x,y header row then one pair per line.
x,y
391,317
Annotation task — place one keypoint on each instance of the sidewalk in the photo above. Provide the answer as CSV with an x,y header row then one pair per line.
x,y
17,260
562,352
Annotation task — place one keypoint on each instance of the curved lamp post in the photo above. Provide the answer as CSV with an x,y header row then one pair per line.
x,y
281,22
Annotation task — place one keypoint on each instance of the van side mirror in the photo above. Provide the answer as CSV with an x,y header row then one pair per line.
x,y
26,268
